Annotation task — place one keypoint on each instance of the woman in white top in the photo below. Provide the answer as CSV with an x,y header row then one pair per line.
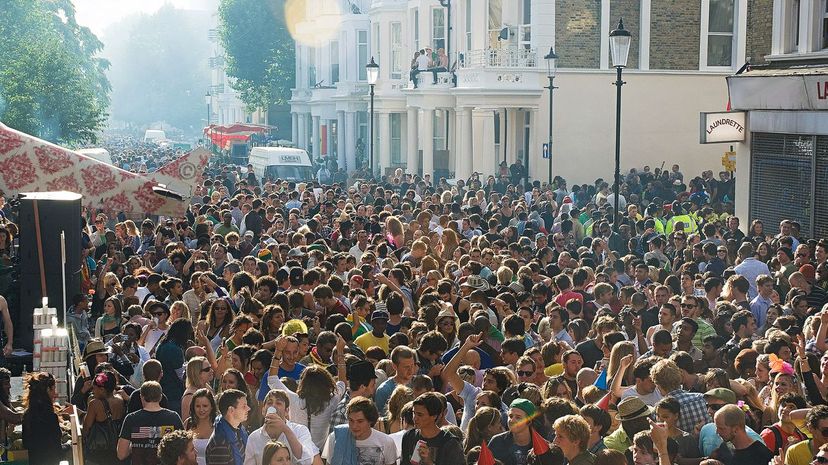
x,y
157,328
317,396
202,416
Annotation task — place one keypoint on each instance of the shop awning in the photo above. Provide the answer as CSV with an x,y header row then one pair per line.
x,y
797,88
225,135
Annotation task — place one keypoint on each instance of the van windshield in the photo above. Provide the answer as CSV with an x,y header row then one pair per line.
x,y
289,172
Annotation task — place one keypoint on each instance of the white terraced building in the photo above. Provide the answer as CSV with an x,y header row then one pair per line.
x,y
495,106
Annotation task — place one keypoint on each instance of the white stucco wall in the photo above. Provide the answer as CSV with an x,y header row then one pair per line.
x,y
659,123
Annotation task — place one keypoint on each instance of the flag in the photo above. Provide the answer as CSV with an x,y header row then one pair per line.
x,y
601,382
539,444
603,404
486,457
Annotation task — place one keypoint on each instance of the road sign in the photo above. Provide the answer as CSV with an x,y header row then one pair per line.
x,y
545,151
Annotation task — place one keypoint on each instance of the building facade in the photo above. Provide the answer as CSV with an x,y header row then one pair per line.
x,y
784,156
493,102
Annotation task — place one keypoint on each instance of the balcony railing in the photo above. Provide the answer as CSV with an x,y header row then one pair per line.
x,y
212,35
216,62
512,57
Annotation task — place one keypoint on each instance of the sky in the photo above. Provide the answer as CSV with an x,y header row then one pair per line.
x,y
100,14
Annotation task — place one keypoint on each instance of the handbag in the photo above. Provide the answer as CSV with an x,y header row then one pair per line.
x,y
102,436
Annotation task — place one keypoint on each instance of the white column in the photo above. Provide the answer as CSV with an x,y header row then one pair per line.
x,y
511,131
463,140
350,140
340,138
485,160
315,143
644,36
451,140
428,142
302,141
384,145
294,127
412,149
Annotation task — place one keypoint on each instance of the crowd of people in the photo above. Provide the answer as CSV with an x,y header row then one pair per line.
x,y
406,321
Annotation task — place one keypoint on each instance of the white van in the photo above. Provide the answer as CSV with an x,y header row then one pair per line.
x,y
102,155
154,135
281,163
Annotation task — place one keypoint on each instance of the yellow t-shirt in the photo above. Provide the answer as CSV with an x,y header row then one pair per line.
x,y
799,454
368,340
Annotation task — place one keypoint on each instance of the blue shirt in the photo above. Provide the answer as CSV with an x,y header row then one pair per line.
x,y
759,308
751,268
264,388
709,439
383,393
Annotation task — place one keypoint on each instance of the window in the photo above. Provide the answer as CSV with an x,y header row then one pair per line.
x,y
438,28
469,24
334,49
720,33
525,29
311,68
824,24
495,22
362,54
416,29
396,138
792,36
527,134
396,50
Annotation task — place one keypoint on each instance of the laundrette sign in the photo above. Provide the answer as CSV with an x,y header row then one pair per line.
x,y
728,126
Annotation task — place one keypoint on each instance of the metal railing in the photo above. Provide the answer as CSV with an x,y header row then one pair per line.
x,y
512,57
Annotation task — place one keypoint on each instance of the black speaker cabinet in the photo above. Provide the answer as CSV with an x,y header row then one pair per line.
x,y
58,212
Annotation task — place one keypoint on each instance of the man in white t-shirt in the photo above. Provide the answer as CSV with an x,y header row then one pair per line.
x,y
358,441
278,427
644,387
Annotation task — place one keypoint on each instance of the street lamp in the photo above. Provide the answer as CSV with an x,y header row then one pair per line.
x,y
372,70
620,48
551,68
207,100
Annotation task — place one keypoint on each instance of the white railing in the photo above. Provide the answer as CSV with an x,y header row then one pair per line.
x,y
512,57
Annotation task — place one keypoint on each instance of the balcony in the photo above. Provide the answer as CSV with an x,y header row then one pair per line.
x,y
425,81
513,68
512,57
212,35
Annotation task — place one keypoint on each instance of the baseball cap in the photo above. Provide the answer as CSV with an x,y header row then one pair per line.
x,y
723,394
379,315
361,371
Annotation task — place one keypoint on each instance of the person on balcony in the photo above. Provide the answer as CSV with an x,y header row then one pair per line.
x,y
422,61
440,65
518,171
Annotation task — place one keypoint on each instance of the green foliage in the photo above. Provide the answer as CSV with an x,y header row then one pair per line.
x,y
259,50
52,84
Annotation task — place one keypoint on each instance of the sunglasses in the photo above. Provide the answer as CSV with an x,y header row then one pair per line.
x,y
525,373
687,306
207,370
716,407
820,459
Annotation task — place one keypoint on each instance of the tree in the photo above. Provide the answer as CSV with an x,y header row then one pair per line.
x,y
52,84
259,50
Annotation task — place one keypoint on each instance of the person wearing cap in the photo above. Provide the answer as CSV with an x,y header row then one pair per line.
x,y
362,382
513,446
634,416
377,336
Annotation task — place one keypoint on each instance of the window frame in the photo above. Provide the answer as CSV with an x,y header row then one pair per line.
x,y
434,38
362,49
738,40
395,39
333,51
